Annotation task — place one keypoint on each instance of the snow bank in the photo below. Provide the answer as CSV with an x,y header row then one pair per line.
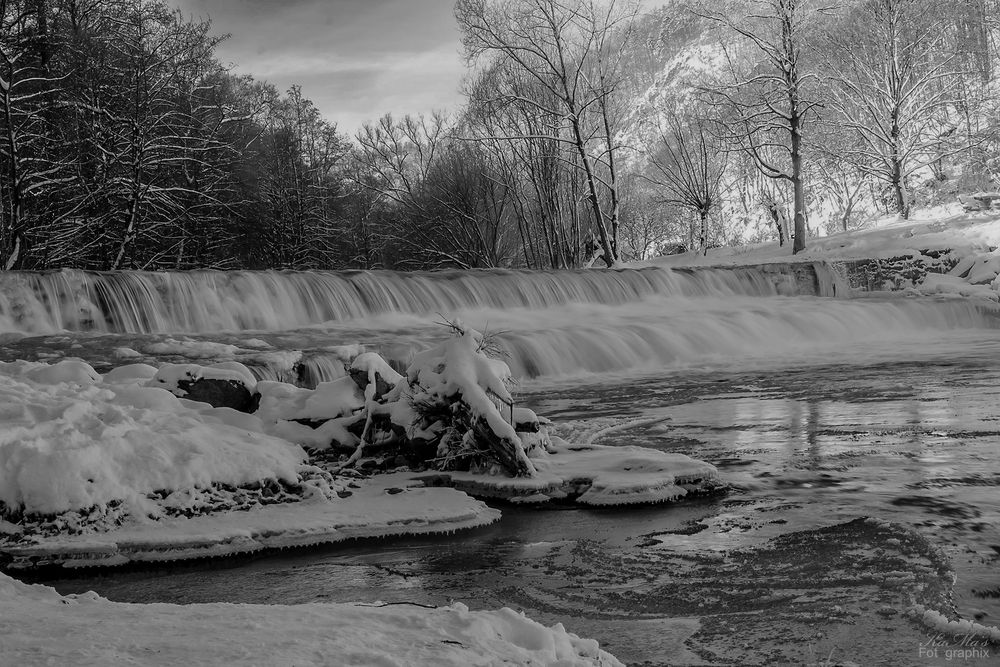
x,y
384,506
883,238
326,410
76,444
936,283
41,626
329,400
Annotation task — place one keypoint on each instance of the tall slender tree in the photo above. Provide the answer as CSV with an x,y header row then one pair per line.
x,y
765,98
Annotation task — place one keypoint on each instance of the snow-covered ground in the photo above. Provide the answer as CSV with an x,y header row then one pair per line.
x,y
39,626
936,229
970,239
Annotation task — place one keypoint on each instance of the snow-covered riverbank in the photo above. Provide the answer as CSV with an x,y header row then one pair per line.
x,y
39,626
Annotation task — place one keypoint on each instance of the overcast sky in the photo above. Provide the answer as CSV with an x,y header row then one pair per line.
x,y
355,59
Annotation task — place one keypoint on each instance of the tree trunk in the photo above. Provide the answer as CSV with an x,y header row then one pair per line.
x,y
896,169
10,234
846,217
703,231
798,186
899,191
510,453
595,202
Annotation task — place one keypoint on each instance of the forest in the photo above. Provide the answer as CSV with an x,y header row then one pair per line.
x,y
593,132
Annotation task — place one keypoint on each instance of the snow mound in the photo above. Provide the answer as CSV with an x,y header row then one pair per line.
x,y
169,376
936,283
45,627
71,371
315,418
130,374
69,446
594,475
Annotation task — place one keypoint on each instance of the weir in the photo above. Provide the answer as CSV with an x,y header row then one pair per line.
x,y
291,325
213,301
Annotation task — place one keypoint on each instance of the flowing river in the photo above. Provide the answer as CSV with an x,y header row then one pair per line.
x,y
818,411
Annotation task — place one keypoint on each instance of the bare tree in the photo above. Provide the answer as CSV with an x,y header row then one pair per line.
x,y
895,84
765,102
449,209
689,166
28,165
569,49
649,224
540,172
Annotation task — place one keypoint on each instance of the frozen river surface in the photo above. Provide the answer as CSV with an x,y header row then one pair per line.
x,y
778,571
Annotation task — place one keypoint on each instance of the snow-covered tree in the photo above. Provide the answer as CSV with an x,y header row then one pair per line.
x,y
764,96
571,51
895,83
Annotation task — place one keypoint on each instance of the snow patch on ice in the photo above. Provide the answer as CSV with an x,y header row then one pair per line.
x,y
594,475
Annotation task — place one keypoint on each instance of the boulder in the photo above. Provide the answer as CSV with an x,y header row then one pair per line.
x,y
220,393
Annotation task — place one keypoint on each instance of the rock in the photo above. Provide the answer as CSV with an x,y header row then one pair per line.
x,y
531,426
382,387
311,423
420,449
220,393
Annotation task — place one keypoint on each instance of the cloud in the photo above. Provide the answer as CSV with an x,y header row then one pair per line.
x,y
356,59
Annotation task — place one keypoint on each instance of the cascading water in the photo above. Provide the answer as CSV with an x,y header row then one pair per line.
x,y
213,301
551,324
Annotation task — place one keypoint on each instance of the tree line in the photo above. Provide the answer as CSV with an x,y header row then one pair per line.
x,y
592,133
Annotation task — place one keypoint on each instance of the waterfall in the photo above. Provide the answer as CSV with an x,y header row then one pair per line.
x,y
664,333
213,301
550,323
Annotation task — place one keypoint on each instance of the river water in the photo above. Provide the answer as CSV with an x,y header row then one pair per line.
x,y
817,411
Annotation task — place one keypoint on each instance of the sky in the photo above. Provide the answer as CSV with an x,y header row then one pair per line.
x,y
355,59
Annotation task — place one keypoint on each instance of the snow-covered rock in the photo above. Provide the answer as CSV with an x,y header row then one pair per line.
x,y
69,447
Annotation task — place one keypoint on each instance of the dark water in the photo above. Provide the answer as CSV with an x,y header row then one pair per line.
x,y
775,572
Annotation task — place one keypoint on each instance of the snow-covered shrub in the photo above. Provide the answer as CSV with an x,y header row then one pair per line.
x,y
452,411
457,392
